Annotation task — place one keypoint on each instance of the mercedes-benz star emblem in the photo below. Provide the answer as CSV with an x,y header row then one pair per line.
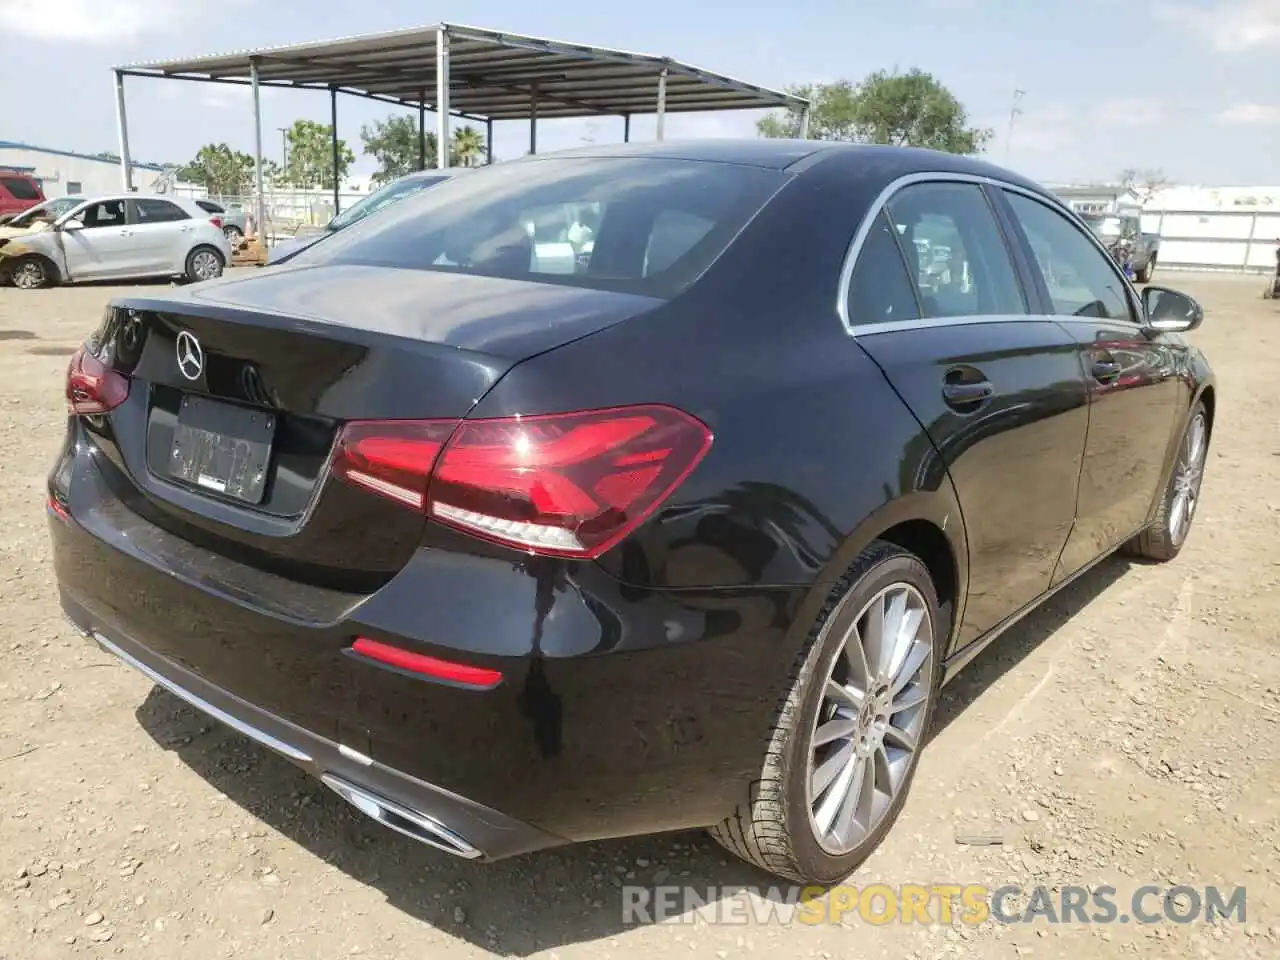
x,y
190,356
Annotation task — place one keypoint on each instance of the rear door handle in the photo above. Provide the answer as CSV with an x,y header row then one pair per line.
x,y
966,395
1105,370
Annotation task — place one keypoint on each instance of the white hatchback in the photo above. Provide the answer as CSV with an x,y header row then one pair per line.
x,y
120,237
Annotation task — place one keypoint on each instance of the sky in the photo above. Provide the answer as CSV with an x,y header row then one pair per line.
x,y
1188,87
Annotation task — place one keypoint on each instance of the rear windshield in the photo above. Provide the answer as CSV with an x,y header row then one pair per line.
x,y
636,225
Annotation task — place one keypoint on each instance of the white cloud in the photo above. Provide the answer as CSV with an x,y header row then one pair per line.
x,y
1251,114
96,21
1131,112
1231,26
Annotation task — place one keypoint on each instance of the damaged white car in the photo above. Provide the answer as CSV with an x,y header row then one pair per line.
x,y
121,237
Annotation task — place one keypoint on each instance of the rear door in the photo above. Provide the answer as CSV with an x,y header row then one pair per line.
x,y
1136,396
936,299
163,234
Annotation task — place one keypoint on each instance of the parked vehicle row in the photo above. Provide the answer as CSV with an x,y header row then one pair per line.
x,y
685,528
126,236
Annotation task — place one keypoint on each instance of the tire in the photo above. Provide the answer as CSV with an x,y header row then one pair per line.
x,y
233,233
29,273
779,826
204,263
1163,540
1144,275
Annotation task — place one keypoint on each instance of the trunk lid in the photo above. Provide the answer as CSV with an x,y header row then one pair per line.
x,y
239,388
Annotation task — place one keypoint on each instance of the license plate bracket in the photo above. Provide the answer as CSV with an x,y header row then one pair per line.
x,y
222,448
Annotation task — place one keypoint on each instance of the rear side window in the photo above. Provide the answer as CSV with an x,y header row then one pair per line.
x,y
955,251
159,211
20,189
636,225
880,290
208,206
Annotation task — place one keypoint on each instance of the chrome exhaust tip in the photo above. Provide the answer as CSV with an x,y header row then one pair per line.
x,y
401,819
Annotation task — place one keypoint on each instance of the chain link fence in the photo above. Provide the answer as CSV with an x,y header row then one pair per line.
x,y
288,212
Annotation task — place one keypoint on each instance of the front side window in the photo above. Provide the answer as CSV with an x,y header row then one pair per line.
x,y
880,290
961,264
637,225
1081,279
105,213
159,211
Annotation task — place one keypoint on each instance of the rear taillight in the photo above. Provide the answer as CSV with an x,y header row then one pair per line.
x,y
216,221
567,484
92,386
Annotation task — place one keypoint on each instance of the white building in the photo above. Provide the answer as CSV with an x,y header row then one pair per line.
x,y
65,173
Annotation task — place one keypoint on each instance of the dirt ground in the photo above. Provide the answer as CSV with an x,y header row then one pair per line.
x,y
1127,734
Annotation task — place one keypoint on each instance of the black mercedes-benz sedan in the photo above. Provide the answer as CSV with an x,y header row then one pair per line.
x,y
628,489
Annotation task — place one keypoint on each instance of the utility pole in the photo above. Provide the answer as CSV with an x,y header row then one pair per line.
x,y
1015,111
284,147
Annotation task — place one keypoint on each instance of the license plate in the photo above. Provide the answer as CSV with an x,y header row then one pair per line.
x,y
222,448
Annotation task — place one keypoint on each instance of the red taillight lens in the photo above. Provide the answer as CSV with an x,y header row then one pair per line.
x,y
92,386
481,678
392,457
216,221
570,484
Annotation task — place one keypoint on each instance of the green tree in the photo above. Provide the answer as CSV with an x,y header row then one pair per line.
x,y
221,170
468,147
904,109
393,142
311,155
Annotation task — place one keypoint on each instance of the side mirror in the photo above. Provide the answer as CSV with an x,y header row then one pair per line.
x,y
1168,311
71,225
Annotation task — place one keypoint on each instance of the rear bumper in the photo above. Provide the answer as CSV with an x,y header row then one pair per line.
x,y
622,711
419,810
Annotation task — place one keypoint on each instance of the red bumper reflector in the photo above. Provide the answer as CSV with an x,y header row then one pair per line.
x,y
481,678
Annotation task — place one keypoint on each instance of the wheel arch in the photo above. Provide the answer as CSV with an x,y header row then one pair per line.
x,y
927,524
52,274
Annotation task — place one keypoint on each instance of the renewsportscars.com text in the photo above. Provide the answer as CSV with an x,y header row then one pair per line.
x,y
969,904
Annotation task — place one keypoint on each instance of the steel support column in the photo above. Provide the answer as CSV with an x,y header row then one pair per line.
x,y
333,138
422,130
533,119
626,128
804,123
662,101
488,141
122,131
260,205
442,98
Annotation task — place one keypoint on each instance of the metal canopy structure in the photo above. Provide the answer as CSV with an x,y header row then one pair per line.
x,y
467,72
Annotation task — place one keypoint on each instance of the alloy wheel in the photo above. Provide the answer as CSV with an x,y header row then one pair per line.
x,y
1187,475
871,720
28,276
205,265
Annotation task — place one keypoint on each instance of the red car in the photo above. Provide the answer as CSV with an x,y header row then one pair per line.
x,y
18,192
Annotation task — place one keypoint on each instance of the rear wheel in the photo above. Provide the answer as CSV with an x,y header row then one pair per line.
x,y
204,263
847,736
233,233
1163,540
1144,275
29,273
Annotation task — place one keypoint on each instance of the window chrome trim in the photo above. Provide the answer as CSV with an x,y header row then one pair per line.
x,y
938,176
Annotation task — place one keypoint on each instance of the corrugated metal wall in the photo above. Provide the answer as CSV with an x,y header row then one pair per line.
x,y
1243,241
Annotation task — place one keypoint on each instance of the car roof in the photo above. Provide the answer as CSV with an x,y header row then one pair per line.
x,y
880,161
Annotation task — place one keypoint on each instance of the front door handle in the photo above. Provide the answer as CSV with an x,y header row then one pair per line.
x,y
965,396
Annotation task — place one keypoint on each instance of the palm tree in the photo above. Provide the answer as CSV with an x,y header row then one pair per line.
x,y
468,146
